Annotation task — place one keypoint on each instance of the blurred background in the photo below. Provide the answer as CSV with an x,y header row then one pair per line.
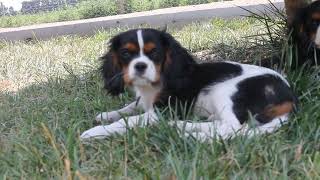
x,y
14,13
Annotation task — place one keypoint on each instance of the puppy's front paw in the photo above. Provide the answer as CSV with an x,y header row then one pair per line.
x,y
108,116
98,132
199,136
178,124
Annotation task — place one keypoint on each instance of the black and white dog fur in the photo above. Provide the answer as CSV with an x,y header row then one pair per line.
x,y
162,72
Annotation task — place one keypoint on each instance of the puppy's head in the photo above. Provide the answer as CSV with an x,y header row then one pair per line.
x,y
140,57
306,26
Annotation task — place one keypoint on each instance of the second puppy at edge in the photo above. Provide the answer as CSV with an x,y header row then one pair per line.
x,y
161,71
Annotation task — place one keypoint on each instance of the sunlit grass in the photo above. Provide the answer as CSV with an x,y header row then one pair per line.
x,y
93,8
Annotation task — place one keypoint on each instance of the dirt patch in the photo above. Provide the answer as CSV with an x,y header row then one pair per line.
x,y
207,56
7,85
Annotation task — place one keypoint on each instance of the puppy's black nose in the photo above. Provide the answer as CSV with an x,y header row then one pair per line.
x,y
140,67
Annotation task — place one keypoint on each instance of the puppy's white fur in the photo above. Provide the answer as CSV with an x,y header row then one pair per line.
x,y
317,38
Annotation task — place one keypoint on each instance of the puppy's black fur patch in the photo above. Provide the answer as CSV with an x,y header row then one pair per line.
x,y
255,94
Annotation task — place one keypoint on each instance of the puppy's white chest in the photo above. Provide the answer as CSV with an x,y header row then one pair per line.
x,y
147,96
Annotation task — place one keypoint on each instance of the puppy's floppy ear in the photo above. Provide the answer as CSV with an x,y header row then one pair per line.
x,y
177,59
112,72
178,62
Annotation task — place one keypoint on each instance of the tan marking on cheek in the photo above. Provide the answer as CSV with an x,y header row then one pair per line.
x,y
158,73
278,110
315,16
126,79
168,60
131,47
148,47
157,98
312,36
301,30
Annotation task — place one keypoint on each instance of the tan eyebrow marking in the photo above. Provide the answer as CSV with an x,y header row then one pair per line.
x,y
149,47
315,16
131,47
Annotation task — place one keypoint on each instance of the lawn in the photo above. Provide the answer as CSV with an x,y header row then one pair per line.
x,y
93,8
50,92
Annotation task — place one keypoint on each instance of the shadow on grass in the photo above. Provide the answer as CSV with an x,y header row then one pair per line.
x,y
41,123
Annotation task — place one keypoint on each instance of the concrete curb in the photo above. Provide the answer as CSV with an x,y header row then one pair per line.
x,y
170,16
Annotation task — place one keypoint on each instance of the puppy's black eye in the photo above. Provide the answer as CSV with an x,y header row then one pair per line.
x,y
124,53
315,23
153,52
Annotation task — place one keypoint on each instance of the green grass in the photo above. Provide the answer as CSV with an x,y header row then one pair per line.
x,y
51,92
91,9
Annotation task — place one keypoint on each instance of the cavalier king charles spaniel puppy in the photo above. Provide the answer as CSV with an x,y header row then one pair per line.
x,y
162,73
304,39
305,29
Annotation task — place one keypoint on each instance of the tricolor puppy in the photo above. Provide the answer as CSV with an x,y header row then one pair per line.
x,y
305,29
161,72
